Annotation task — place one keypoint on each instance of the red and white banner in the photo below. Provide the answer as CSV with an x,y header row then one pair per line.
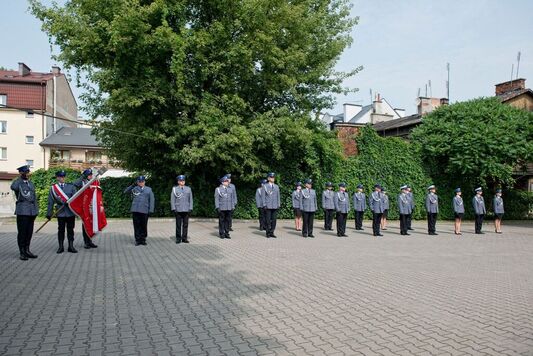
x,y
89,207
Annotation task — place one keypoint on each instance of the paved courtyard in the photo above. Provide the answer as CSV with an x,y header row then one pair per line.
x,y
358,295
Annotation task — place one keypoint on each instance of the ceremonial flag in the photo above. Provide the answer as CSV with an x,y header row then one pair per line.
x,y
89,207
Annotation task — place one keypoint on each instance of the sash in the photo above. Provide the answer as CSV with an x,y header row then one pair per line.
x,y
59,194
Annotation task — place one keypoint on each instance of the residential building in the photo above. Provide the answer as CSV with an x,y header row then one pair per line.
x,y
515,93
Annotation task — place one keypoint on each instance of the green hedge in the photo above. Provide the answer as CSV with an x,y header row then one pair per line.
x,y
391,162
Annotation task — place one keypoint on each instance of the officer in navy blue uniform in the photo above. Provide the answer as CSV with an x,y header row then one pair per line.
x,y
432,209
271,204
478,203
309,207
26,209
86,176
375,202
59,193
181,204
329,206
224,205
404,207
359,205
142,204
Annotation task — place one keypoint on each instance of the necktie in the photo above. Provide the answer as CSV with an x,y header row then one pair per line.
x,y
61,185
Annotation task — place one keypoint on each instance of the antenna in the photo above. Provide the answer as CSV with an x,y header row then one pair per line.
x,y
518,64
426,90
430,91
512,71
448,81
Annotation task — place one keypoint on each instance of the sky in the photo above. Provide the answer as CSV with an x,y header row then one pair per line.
x,y
400,44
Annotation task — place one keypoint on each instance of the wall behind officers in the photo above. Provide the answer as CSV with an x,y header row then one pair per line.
x,y
86,176
26,209
59,193
329,206
181,204
224,205
341,202
142,204
309,207
271,204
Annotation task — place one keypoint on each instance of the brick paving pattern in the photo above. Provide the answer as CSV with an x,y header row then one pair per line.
x,y
359,295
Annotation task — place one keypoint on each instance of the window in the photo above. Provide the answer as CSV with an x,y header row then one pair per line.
x,y
64,155
29,140
3,153
29,162
93,156
3,100
3,127
29,114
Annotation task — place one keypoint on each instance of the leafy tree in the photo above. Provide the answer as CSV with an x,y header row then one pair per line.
x,y
205,87
478,142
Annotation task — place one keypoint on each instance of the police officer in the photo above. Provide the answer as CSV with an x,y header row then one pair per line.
x,y
341,201
86,176
432,209
297,206
26,210
386,205
259,204
271,204
404,207
224,205
328,205
181,205
478,202
309,207
497,204
375,202
412,202
359,205
458,210
234,197
58,196
142,204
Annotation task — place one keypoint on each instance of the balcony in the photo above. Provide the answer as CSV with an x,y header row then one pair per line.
x,y
81,165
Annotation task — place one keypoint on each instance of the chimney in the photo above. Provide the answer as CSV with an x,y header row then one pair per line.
x,y
56,70
427,105
24,69
511,85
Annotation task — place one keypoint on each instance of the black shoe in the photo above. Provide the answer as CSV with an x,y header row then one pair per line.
x,y
137,243
228,236
379,235
268,236
29,254
305,236
411,229
338,235
222,236
178,241
407,234
61,249
344,235
311,235
230,229
23,257
92,245
273,236
185,241
143,243
71,249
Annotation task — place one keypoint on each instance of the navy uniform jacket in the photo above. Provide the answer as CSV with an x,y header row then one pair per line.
x,y
143,200
259,198
432,203
498,205
181,199
271,196
404,204
479,205
233,194
375,202
359,201
224,198
69,191
327,199
297,199
26,198
341,201
309,203
458,206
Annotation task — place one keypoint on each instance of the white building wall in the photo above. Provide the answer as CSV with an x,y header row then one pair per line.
x,y
19,125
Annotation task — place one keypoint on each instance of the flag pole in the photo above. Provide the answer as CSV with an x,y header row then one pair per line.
x,y
82,189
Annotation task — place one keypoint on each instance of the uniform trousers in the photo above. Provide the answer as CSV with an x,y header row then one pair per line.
x,y
140,226
341,223
224,218
479,222
328,218
182,225
270,220
24,230
359,219
308,219
403,223
262,219
86,238
376,223
62,223
432,221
